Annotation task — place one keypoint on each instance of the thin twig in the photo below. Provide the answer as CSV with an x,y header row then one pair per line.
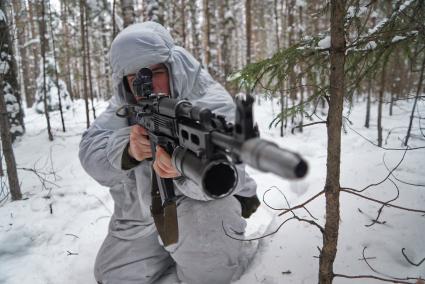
x,y
375,277
72,235
409,261
309,213
71,253
266,203
311,222
309,124
383,274
381,202
384,179
399,180
375,221
302,204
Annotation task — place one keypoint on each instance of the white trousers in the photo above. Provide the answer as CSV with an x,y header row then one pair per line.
x,y
203,254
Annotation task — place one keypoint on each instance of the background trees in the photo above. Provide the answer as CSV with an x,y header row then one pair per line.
x,y
223,34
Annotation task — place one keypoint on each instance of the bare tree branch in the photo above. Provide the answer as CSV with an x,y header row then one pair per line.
x,y
399,180
309,124
286,210
381,202
376,220
388,278
409,261
375,277
383,180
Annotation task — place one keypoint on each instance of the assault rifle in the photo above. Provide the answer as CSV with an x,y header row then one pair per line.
x,y
204,147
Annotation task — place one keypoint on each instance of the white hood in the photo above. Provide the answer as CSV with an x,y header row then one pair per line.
x,y
145,44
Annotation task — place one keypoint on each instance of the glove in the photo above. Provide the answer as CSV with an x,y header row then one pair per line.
x,y
249,205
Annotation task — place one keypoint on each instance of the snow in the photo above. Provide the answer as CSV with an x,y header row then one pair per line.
x,y
353,11
300,3
228,15
51,90
2,16
397,38
325,42
378,26
30,42
41,246
4,67
371,45
405,5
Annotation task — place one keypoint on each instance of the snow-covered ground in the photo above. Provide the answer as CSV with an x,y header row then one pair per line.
x,y
52,236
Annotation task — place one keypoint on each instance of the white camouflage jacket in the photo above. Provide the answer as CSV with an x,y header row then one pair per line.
x,y
102,145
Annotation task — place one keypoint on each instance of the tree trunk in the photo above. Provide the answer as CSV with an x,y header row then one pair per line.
x,y
332,185
196,45
1,159
248,30
56,68
391,103
300,125
418,92
183,22
90,78
34,47
9,84
206,41
291,31
83,42
105,48
20,22
44,44
282,87
381,100
226,47
66,37
9,157
127,7
285,110
300,36
369,91
5,133
114,24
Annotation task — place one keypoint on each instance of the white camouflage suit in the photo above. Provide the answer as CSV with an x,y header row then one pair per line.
x,y
132,251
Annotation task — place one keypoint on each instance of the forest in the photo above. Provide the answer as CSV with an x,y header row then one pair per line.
x,y
341,82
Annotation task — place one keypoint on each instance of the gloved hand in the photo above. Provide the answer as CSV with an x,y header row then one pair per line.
x,y
140,146
249,205
139,149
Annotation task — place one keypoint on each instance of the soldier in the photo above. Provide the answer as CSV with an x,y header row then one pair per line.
x,y
115,154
